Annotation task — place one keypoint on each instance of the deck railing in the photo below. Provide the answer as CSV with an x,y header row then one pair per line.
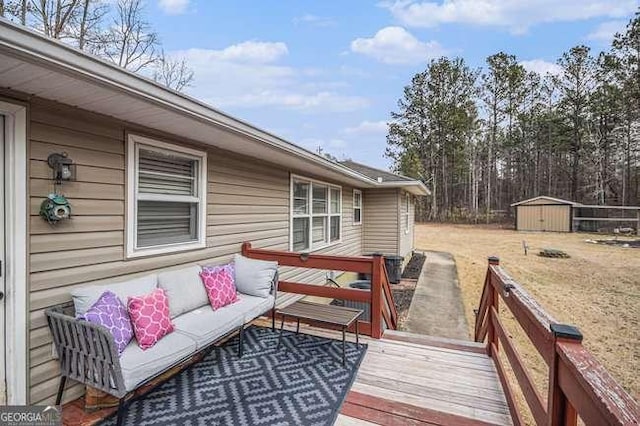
x,y
380,298
579,386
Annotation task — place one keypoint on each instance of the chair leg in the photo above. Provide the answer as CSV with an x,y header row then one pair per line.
x,y
241,342
273,320
63,381
122,410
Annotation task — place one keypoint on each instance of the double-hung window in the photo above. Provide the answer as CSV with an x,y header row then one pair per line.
x,y
357,207
316,214
167,186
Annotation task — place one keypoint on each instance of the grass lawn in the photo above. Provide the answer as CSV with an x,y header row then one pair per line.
x,y
597,289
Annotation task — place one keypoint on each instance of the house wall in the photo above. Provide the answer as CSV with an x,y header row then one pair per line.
x,y
406,230
248,200
380,217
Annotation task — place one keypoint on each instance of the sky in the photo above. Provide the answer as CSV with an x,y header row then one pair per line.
x,y
327,74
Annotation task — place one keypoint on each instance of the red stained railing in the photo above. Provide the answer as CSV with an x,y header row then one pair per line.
x,y
579,386
380,297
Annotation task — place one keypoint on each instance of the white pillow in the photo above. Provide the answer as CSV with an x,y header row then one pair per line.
x,y
85,297
254,277
184,289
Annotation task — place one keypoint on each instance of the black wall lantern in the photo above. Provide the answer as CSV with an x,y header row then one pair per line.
x,y
63,167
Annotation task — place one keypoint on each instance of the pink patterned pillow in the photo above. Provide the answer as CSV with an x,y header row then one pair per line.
x,y
220,287
150,317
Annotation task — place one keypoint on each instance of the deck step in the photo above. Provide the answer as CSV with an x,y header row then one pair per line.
x,y
435,341
384,411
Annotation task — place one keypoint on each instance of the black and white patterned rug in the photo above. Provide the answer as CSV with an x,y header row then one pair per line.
x,y
302,383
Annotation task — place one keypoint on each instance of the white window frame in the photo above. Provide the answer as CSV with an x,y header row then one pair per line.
x,y
311,248
134,144
357,191
15,165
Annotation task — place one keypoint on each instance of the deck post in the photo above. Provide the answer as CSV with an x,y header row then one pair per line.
x,y
376,296
560,412
494,296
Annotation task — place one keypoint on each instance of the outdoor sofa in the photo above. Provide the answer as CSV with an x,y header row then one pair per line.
x,y
87,352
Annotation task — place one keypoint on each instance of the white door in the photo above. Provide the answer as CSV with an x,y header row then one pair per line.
x,y
3,381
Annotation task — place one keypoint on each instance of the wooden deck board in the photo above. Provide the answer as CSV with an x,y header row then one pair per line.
x,y
408,381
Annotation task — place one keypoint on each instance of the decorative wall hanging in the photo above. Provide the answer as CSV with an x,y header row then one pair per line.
x,y
56,207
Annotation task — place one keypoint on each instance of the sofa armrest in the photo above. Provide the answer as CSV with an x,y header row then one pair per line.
x,y
87,352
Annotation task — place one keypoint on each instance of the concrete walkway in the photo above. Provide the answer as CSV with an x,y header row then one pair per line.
x,y
436,308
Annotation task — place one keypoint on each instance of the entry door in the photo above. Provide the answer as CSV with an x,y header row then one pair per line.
x,y
3,375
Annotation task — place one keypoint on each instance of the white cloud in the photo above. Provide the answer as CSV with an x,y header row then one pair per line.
x,y
604,32
395,45
368,128
173,7
249,75
542,67
249,52
517,16
330,101
314,21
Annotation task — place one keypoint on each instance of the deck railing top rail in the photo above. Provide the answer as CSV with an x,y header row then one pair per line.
x,y
579,385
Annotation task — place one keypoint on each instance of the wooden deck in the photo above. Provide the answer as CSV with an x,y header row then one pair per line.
x,y
408,379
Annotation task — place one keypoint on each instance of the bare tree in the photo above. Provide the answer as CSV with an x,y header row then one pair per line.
x,y
53,18
89,25
130,42
14,10
172,72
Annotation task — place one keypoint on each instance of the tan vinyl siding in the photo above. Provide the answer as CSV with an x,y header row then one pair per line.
x,y
380,216
248,200
406,230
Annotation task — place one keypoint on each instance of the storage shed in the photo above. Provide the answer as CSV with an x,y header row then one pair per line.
x,y
544,214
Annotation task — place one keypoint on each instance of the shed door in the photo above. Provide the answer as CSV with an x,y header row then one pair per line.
x,y
555,218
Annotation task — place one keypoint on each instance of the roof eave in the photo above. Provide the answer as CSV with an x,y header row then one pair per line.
x,y
414,186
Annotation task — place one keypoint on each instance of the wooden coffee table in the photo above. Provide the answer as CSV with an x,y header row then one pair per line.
x,y
328,314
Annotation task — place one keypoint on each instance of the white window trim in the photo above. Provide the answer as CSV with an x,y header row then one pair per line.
x,y
357,191
132,181
15,268
407,211
310,214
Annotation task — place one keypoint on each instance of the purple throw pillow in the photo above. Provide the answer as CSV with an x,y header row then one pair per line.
x,y
111,313
208,270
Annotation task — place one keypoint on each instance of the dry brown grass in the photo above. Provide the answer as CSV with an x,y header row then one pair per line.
x,y
597,289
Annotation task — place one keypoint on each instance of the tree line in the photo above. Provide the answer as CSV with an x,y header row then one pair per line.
x,y
482,139
117,31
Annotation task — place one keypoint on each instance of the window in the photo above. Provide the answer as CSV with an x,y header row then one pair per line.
x,y
357,207
167,187
316,214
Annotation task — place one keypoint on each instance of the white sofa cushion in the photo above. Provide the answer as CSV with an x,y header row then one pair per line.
x,y
254,277
184,289
85,297
138,365
205,325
